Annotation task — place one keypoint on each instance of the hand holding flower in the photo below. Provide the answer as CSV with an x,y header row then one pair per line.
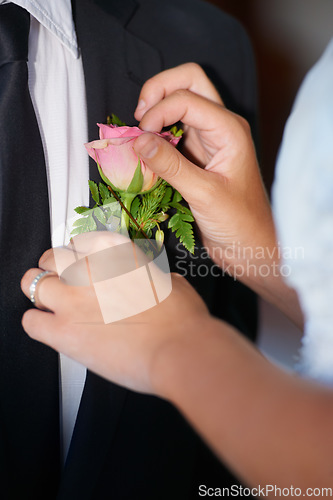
x,y
120,166
225,192
127,178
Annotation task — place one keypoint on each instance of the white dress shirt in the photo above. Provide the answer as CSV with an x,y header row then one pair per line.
x,y
303,206
57,89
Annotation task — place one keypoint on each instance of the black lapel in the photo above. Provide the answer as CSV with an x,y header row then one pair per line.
x,y
122,10
96,424
115,64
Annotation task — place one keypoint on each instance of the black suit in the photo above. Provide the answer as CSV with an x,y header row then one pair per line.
x,y
125,445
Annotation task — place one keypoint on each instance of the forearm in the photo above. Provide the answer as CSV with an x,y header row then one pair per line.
x,y
270,427
265,279
255,260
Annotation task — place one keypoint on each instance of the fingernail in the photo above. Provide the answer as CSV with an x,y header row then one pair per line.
x,y
141,105
146,145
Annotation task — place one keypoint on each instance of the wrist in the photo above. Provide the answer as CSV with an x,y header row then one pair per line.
x,y
247,261
171,356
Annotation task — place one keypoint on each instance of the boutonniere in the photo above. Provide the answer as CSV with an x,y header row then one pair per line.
x,y
130,198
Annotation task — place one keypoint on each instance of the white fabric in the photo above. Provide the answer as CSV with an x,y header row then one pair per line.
x,y
57,90
54,15
56,83
303,206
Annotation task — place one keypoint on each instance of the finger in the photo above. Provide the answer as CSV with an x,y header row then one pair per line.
x,y
103,350
57,259
82,245
188,76
191,109
192,182
70,265
68,338
53,331
48,289
88,243
37,324
94,347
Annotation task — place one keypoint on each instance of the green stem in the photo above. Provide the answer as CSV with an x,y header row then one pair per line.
x,y
127,199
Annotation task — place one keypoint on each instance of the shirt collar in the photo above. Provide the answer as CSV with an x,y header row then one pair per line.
x,y
56,16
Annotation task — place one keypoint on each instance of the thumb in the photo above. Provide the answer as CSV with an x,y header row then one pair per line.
x,y
163,159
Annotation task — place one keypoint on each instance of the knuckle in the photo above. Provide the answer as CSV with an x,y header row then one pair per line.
x,y
45,257
174,166
153,88
244,124
148,83
89,243
29,321
144,86
207,188
195,68
182,93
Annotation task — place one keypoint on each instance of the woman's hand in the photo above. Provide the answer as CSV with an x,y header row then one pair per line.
x,y
182,80
125,351
223,186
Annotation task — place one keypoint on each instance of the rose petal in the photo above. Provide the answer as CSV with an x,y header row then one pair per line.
x,y
116,157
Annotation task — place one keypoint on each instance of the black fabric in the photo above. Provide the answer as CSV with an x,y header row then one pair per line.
x,y
28,370
125,445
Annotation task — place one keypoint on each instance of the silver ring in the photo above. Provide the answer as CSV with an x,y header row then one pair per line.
x,y
33,286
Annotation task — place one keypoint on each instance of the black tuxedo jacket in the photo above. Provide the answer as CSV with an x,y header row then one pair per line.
x,y
125,445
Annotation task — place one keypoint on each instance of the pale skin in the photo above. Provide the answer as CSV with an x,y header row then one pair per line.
x,y
268,426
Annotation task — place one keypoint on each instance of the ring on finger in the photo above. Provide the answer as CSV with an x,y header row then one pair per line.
x,y
35,281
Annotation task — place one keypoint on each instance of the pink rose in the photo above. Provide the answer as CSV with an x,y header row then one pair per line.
x,y
117,160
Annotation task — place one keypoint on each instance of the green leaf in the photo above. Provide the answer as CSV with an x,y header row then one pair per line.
x,y
116,121
91,224
135,206
113,210
137,180
180,224
177,197
186,210
81,210
78,230
84,225
174,221
151,208
103,190
167,196
80,222
109,200
94,191
187,218
100,216
180,208
176,132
